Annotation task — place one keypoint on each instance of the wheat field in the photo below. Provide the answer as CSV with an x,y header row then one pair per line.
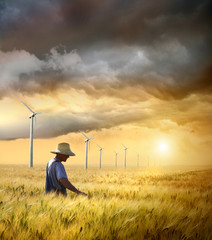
x,y
133,203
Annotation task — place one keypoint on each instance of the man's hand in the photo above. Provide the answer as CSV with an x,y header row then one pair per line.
x,y
82,193
65,182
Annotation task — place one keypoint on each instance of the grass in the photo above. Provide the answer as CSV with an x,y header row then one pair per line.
x,y
122,204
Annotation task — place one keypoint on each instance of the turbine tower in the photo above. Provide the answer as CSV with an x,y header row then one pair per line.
x,y
116,155
31,117
100,155
87,141
125,155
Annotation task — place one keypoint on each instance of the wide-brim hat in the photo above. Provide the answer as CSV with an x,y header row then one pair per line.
x,y
63,148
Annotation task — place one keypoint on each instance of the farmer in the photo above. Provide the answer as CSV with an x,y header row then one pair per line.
x,y
56,177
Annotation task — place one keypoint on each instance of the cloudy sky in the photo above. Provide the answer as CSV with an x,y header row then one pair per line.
x,y
132,72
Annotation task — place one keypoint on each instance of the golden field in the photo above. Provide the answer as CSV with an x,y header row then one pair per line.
x,y
134,203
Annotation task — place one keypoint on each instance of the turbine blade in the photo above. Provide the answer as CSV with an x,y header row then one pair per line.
x,y
98,145
123,145
91,138
84,135
27,107
38,112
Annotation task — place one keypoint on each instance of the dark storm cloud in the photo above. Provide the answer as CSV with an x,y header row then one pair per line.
x,y
107,72
125,49
83,23
90,26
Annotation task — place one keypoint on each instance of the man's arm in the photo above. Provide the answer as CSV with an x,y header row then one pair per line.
x,y
65,182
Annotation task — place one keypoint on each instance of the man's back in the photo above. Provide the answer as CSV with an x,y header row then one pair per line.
x,y
54,172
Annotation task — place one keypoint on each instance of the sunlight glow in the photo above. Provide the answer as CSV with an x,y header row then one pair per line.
x,y
163,147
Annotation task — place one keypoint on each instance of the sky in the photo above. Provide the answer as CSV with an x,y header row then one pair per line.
x,y
133,72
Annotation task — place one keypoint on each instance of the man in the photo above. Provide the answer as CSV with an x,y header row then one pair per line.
x,y
56,177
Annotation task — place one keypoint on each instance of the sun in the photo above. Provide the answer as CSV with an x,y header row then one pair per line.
x,y
163,146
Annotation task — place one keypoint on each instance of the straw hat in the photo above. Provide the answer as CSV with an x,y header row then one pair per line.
x,y
63,148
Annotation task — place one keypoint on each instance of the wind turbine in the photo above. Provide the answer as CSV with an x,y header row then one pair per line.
x,y
31,116
86,149
125,155
100,155
116,154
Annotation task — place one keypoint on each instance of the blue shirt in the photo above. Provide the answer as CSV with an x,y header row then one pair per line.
x,y
54,171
